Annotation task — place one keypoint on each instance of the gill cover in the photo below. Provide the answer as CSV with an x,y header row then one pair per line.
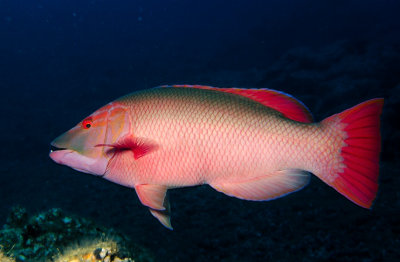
x,y
77,147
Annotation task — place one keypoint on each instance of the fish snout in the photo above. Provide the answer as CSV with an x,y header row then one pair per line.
x,y
58,155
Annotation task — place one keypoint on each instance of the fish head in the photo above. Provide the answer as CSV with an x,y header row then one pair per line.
x,y
80,147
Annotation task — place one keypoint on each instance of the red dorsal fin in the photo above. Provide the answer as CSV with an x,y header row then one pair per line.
x,y
289,106
139,146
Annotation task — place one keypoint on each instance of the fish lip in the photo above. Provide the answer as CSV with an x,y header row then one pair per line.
x,y
54,148
63,157
58,155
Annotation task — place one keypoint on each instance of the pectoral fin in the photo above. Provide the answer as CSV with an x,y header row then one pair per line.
x,y
138,145
266,187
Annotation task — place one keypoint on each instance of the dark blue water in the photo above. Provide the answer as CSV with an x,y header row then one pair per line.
x,y
61,60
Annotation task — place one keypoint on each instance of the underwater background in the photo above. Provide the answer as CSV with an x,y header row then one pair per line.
x,y
62,60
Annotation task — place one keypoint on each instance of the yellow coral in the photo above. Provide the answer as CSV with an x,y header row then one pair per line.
x,y
92,251
4,258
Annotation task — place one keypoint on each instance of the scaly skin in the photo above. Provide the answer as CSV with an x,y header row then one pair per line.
x,y
206,136
231,139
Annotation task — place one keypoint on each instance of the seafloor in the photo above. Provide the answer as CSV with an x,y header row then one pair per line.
x,y
315,224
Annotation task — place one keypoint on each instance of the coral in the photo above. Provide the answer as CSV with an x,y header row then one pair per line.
x,y
94,251
4,257
55,236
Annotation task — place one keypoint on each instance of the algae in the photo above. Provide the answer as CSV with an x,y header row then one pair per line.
x,y
56,236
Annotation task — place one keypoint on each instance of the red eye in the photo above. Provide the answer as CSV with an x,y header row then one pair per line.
x,y
87,123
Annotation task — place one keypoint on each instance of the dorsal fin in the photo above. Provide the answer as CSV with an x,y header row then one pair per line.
x,y
289,106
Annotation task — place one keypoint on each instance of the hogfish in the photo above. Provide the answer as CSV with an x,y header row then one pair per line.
x,y
253,144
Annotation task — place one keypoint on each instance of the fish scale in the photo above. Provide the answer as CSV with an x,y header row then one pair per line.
x,y
253,144
202,142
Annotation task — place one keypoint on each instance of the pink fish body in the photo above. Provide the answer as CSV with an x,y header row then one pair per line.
x,y
253,144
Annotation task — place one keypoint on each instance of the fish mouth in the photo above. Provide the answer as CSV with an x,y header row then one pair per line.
x,y
58,153
77,161
56,148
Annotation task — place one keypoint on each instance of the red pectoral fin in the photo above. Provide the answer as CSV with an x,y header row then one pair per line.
x,y
139,146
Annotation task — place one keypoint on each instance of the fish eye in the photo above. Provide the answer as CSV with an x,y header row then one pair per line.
x,y
87,123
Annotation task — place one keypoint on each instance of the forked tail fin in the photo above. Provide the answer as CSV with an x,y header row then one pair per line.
x,y
358,178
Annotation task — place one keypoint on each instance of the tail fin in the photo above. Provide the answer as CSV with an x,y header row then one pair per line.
x,y
358,180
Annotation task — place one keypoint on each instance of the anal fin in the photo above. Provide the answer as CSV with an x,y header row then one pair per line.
x,y
266,187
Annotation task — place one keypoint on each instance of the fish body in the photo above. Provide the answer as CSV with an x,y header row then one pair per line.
x,y
253,144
